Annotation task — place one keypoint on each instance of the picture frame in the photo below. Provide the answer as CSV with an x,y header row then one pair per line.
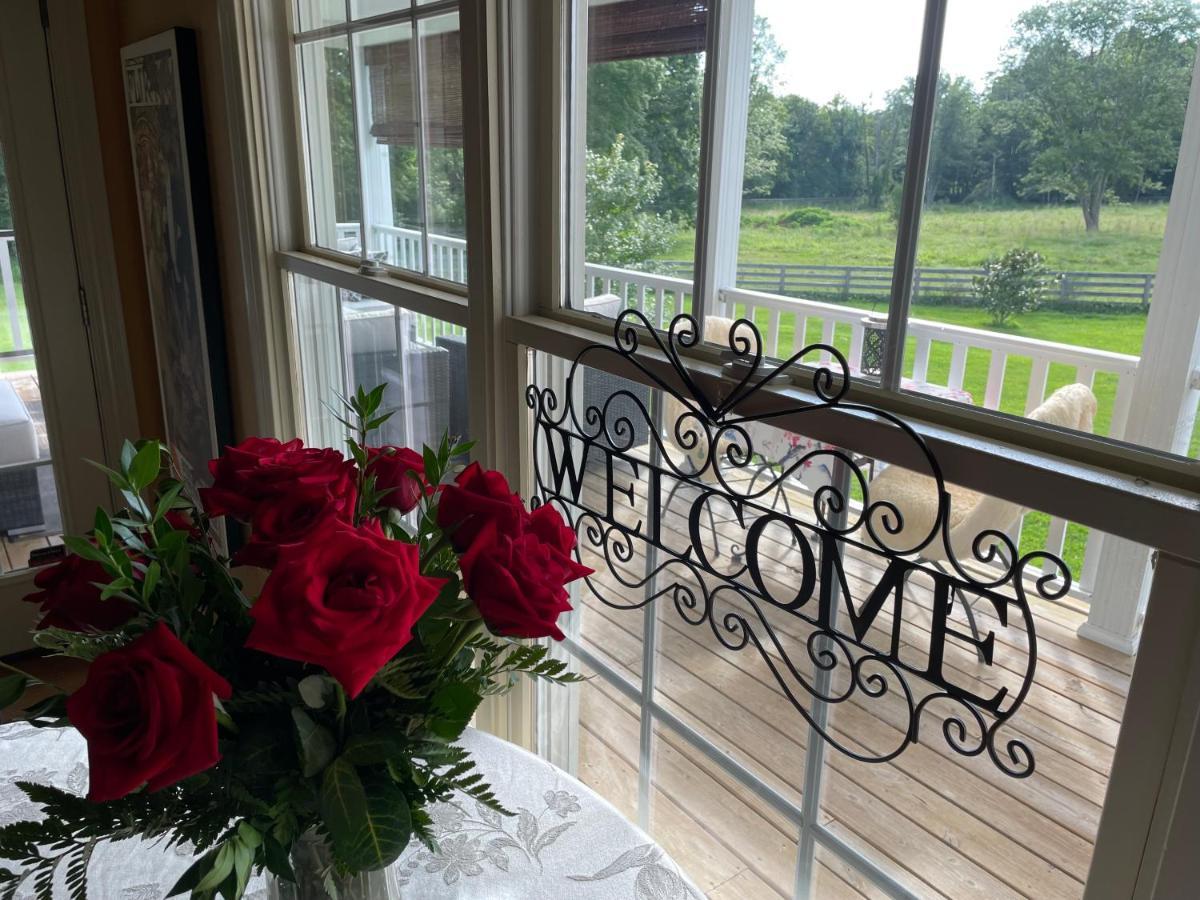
x,y
166,132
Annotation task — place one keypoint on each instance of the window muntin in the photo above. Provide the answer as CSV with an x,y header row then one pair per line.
x,y
639,155
389,110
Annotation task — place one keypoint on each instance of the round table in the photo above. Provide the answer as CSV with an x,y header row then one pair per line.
x,y
564,841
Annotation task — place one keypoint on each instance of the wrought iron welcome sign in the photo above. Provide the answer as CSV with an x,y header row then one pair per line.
x,y
672,503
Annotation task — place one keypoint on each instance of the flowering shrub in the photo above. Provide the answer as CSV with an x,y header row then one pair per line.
x,y
329,703
1012,284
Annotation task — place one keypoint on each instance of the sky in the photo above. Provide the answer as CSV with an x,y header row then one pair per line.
x,y
862,49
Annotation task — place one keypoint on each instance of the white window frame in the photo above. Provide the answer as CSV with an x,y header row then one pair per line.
x,y
518,139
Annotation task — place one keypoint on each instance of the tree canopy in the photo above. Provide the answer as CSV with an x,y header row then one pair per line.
x,y
1087,106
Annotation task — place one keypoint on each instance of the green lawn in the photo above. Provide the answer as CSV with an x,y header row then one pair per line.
x,y
1129,239
6,337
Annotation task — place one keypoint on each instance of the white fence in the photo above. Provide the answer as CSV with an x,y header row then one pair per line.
x,y
788,324
18,343
401,247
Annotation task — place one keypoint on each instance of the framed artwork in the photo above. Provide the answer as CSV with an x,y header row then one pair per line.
x,y
166,132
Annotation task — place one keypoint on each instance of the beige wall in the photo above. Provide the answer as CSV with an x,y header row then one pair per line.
x,y
112,24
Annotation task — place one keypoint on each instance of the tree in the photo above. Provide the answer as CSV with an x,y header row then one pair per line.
x,y
621,228
954,147
1103,86
766,145
1012,284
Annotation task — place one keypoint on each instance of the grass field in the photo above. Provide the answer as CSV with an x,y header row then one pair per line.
x,y
6,337
1129,239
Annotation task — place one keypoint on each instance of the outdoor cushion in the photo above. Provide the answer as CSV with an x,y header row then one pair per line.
x,y
18,438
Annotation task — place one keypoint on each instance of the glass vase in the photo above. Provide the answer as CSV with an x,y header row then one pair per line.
x,y
315,879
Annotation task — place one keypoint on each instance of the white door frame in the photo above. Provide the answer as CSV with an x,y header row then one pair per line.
x,y
63,238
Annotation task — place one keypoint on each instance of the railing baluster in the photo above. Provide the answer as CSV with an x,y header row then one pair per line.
x,y
1121,404
827,336
1085,375
1037,384
921,360
773,332
958,366
800,335
856,345
1055,538
10,294
1091,560
995,380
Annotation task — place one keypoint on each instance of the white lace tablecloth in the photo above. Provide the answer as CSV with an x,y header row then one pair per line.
x,y
565,841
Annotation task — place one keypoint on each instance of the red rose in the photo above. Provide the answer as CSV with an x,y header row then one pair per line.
x,y
261,468
517,580
289,519
147,713
477,498
345,599
70,599
399,471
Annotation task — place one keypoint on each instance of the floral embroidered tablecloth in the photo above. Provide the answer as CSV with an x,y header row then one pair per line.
x,y
564,841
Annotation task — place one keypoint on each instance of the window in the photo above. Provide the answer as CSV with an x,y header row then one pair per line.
x,y
1016,253
380,88
693,739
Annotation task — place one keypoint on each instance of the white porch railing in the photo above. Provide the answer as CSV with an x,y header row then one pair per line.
x,y
18,343
401,247
659,298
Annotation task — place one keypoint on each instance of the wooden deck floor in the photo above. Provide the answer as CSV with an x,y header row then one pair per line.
x,y
945,825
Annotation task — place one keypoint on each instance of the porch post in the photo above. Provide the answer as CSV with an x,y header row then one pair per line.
x,y
1165,392
723,135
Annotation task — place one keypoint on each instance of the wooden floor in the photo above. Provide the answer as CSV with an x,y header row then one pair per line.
x,y
945,825
14,554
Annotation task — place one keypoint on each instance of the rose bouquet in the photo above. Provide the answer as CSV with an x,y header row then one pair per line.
x,y
305,727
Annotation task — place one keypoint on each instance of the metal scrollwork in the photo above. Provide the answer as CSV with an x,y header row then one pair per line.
x,y
700,470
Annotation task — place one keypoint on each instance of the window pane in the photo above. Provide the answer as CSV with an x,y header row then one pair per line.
x,y
827,124
1055,140
442,127
362,9
391,164
327,104
346,340
644,81
30,519
312,14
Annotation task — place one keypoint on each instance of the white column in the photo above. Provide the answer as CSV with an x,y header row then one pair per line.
x,y
1163,409
724,131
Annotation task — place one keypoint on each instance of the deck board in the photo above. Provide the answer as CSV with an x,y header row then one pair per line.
x,y
947,824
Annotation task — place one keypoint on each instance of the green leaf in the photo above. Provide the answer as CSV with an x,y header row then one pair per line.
x,y
368,822
220,870
11,689
317,744
375,748
150,582
128,451
167,501
85,548
103,526
189,880
276,858
317,691
453,706
145,466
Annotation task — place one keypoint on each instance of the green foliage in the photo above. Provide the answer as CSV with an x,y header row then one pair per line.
x,y
806,217
1103,85
621,230
1012,284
